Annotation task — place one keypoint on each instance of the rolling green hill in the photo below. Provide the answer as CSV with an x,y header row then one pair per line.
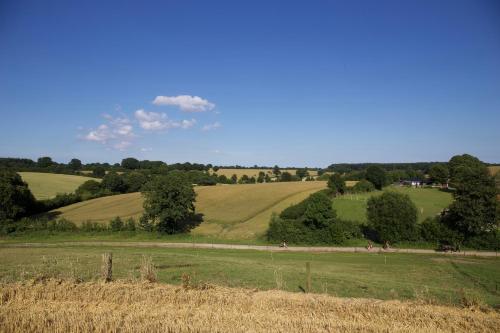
x,y
47,185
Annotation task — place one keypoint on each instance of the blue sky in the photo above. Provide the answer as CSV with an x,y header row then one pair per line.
x,y
302,83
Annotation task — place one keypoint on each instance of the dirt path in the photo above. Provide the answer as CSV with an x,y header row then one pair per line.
x,y
252,247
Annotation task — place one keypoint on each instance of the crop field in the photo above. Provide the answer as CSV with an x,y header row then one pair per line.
x,y
254,172
433,278
429,202
231,211
47,185
494,169
65,306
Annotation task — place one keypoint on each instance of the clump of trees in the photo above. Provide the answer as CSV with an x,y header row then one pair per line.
x,y
336,184
393,216
474,213
377,176
169,204
16,199
363,186
312,221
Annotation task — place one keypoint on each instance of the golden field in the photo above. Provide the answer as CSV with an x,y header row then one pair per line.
x,y
254,172
47,185
240,211
64,306
494,169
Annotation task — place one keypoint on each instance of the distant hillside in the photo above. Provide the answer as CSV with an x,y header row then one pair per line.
x,y
235,211
47,185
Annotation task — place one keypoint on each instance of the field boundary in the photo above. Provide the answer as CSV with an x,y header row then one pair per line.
x,y
270,248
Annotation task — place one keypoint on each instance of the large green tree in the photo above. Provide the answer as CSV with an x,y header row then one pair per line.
x,y
376,175
286,177
130,163
169,203
302,173
44,162
439,173
393,216
114,183
460,161
319,212
16,199
88,189
475,206
336,184
75,164
134,181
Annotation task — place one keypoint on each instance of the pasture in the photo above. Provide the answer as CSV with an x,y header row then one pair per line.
x,y
47,185
230,211
228,172
429,202
433,278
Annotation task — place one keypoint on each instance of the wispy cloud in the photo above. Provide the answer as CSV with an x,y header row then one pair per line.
x,y
211,127
154,121
115,132
186,103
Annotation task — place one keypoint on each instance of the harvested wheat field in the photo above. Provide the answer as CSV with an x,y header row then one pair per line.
x,y
64,306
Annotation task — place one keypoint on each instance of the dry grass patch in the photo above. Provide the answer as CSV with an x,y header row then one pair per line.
x,y
62,306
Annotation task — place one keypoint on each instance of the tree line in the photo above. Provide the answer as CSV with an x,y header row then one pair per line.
x,y
472,220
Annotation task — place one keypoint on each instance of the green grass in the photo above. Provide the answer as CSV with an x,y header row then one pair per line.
x,y
383,276
47,185
429,202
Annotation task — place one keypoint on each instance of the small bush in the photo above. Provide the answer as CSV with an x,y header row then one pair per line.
x,y
363,186
116,224
130,225
89,226
61,225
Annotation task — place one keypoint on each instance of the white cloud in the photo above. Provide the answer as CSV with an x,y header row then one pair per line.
x,y
116,132
146,149
186,103
101,134
122,145
210,127
153,121
187,123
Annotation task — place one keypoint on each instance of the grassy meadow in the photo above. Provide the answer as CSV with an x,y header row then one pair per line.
x,y
429,202
385,276
230,211
47,185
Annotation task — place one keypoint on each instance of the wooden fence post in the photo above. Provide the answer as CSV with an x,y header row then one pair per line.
x,y
107,267
308,273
